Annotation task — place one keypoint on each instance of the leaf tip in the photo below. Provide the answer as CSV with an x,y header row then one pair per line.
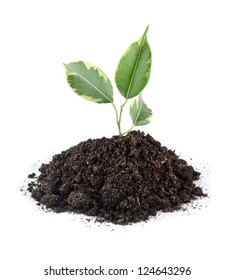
x,y
146,30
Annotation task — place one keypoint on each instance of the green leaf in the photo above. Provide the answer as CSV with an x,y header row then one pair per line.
x,y
134,68
89,81
140,113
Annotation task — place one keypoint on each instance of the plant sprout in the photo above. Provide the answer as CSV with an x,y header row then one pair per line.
x,y
131,77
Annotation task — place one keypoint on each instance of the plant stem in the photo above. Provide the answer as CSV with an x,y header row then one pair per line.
x,y
120,117
117,119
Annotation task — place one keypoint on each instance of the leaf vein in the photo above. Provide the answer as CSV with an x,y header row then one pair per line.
x,y
136,63
138,114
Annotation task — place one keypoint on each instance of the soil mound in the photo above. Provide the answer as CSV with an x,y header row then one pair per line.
x,y
120,179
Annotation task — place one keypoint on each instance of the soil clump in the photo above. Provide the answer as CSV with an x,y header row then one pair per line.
x,y
120,179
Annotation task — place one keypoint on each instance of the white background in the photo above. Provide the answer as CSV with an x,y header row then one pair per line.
x,y
190,91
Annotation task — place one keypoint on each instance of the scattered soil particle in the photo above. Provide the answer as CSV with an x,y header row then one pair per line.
x,y
120,179
32,175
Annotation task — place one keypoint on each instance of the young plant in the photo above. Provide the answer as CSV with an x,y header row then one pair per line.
x,y
131,77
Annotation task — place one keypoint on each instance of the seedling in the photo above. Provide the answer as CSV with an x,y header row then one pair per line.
x,y
131,77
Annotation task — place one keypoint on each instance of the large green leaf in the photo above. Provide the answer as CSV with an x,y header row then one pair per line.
x,y
140,113
134,68
89,82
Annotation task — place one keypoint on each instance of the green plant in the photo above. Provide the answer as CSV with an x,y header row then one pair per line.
x,y
131,76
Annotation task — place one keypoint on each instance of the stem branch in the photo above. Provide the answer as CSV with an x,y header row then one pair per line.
x,y
126,132
117,119
120,117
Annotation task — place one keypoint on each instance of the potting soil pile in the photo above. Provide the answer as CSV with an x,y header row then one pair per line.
x,y
120,179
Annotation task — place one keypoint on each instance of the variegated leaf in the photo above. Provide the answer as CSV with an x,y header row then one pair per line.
x,y
89,81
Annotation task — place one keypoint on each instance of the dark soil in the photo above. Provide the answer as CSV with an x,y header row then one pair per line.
x,y
120,180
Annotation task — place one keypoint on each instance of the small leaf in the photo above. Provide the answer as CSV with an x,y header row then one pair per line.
x,y
89,81
134,68
140,113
